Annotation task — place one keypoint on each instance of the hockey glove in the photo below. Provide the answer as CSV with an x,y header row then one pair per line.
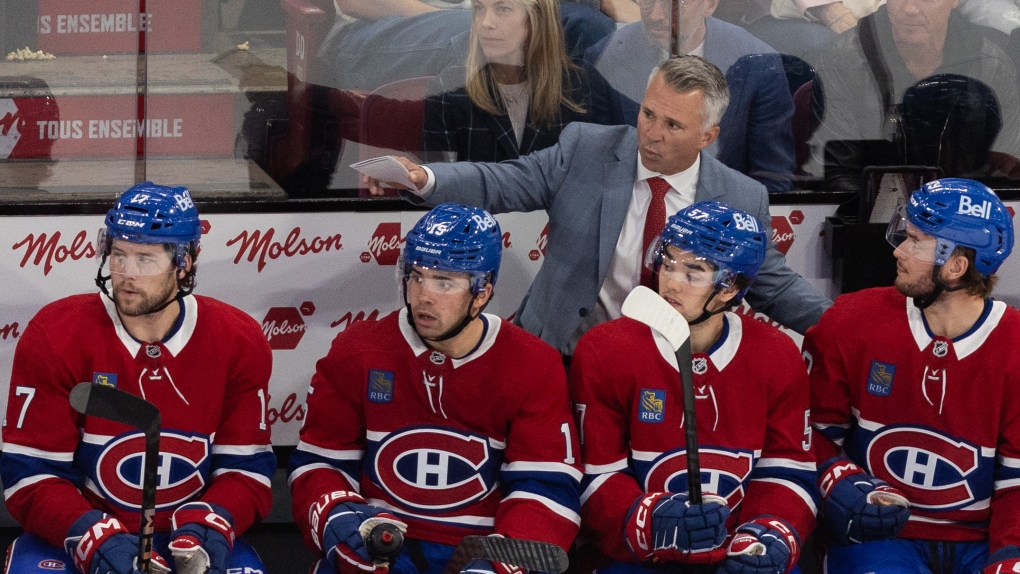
x,y
100,544
665,527
1005,560
765,545
340,521
490,567
203,536
859,507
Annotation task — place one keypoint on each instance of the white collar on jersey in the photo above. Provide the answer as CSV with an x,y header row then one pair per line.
x,y
418,347
175,344
962,346
724,350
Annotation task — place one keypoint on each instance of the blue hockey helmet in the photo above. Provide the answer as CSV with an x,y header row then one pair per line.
x,y
151,213
730,239
454,237
958,212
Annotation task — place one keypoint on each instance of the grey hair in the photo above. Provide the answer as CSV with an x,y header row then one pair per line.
x,y
688,73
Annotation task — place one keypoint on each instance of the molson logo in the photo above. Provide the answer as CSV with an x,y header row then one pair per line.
x,y
782,230
10,331
384,245
349,318
284,326
543,239
46,249
262,245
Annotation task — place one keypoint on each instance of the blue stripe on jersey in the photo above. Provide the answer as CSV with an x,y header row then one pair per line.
x,y
560,488
18,467
301,459
262,463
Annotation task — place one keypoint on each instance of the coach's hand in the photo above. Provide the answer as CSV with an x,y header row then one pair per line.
x,y
666,527
416,174
340,521
859,507
100,544
203,536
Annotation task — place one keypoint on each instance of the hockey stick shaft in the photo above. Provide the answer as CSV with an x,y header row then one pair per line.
x,y
646,306
529,554
120,406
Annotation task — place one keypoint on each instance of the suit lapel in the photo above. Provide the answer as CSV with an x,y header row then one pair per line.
x,y
504,130
617,188
707,177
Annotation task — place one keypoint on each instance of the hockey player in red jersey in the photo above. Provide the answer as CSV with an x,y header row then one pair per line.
x,y
73,482
916,399
438,418
750,384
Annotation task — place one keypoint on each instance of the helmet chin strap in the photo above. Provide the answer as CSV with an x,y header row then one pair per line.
x,y
705,313
453,332
925,301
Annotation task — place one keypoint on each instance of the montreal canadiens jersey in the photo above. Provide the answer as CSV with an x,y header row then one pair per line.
x,y
209,379
937,418
751,402
480,444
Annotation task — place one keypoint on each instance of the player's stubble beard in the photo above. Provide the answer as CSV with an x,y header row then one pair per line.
x,y
152,295
920,286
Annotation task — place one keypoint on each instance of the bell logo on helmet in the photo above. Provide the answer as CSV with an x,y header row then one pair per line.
x,y
967,207
184,200
745,223
484,223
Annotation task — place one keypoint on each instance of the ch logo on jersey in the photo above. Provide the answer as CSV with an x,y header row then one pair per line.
x,y
107,379
380,386
653,406
723,473
118,469
880,379
435,469
932,469
51,565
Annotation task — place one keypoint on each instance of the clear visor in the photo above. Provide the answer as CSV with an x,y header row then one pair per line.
x,y
143,259
439,282
682,266
908,239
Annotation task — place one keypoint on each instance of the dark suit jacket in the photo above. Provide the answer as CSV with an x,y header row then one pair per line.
x,y
756,137
454,124
585,183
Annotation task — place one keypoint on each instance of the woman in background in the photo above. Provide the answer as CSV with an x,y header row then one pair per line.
x,y
517,91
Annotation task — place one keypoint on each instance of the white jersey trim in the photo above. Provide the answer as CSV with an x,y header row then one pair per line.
x,y
1009,462
722,356
665,349
241,450
495,324
1004,484
174,345
11,448
804,495
552,505
604,468
962,347
532,466
302,470
330,453
785,463
261,479
27,481
99,439
464,519
593,486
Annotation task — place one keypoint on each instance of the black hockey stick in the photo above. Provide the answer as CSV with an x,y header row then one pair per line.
x,y
648,307
529,554
120,406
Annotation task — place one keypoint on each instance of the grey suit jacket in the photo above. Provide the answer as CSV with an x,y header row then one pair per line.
x,y
585,183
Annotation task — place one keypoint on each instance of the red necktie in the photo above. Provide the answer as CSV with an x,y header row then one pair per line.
x,y
655,221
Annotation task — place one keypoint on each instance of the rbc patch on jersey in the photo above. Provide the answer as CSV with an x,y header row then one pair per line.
x,y
880,379
108,379
652,408
380,386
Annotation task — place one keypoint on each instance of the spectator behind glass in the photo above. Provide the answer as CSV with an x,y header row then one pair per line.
x,y
375,42
755,135
796,27
866,71
521,89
